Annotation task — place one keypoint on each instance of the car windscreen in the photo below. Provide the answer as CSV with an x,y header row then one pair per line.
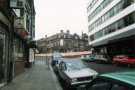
x,y
75,66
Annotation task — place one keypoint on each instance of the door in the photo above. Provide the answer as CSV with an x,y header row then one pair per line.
x,y
2,58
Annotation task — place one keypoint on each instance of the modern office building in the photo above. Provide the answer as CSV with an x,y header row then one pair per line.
x,y
111,25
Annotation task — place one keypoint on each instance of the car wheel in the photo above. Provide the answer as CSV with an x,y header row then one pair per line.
x,y
129,65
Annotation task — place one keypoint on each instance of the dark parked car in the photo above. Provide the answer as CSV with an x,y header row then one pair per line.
x,y
56,66
114,81
90,58
74,73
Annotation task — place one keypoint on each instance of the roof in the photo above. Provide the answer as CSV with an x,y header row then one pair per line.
x,y
77,53
127,77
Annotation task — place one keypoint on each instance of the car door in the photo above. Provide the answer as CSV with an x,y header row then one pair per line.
x,y
62,68
99,84
108,84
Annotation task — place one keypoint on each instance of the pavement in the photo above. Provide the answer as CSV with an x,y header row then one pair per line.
x,y
39,77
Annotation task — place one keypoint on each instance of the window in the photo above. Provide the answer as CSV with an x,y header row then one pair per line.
x,y
91,37
22,12
127,3
111,12
126,21
129,19
19,3
99,9
112,28
62,66
120,23
115,10
98,34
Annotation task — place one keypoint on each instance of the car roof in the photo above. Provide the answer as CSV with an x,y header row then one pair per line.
x,y
127,77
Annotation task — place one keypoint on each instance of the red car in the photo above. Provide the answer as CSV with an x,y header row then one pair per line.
x,y
124,59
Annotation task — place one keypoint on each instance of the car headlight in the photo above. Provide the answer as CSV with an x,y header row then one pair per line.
x,y
74,80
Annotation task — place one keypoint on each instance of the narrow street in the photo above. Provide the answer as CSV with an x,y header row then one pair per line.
x,y
40,77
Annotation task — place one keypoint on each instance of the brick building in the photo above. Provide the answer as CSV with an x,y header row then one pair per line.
x,y
63,42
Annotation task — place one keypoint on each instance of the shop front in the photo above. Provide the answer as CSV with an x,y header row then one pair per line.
x,y
5,57
19,56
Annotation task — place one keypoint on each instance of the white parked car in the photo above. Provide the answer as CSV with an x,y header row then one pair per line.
x,y
74,73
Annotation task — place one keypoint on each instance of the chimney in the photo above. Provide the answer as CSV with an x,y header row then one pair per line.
x,y
45,36
68,32
61,31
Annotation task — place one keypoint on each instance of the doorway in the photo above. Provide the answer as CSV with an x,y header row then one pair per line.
x,y
2,59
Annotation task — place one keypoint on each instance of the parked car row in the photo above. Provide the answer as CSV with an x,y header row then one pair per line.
x,y
118,59
74,74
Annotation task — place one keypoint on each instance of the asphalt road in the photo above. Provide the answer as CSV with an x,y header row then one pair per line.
x,y
108,68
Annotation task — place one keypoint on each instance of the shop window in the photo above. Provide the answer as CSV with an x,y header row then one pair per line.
x,y
120,24
112,28
112,12
98,34
127,3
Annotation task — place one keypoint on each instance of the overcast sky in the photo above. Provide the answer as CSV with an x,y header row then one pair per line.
x,y
54,15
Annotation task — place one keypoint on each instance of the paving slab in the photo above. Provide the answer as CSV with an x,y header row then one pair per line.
x,y
39,77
